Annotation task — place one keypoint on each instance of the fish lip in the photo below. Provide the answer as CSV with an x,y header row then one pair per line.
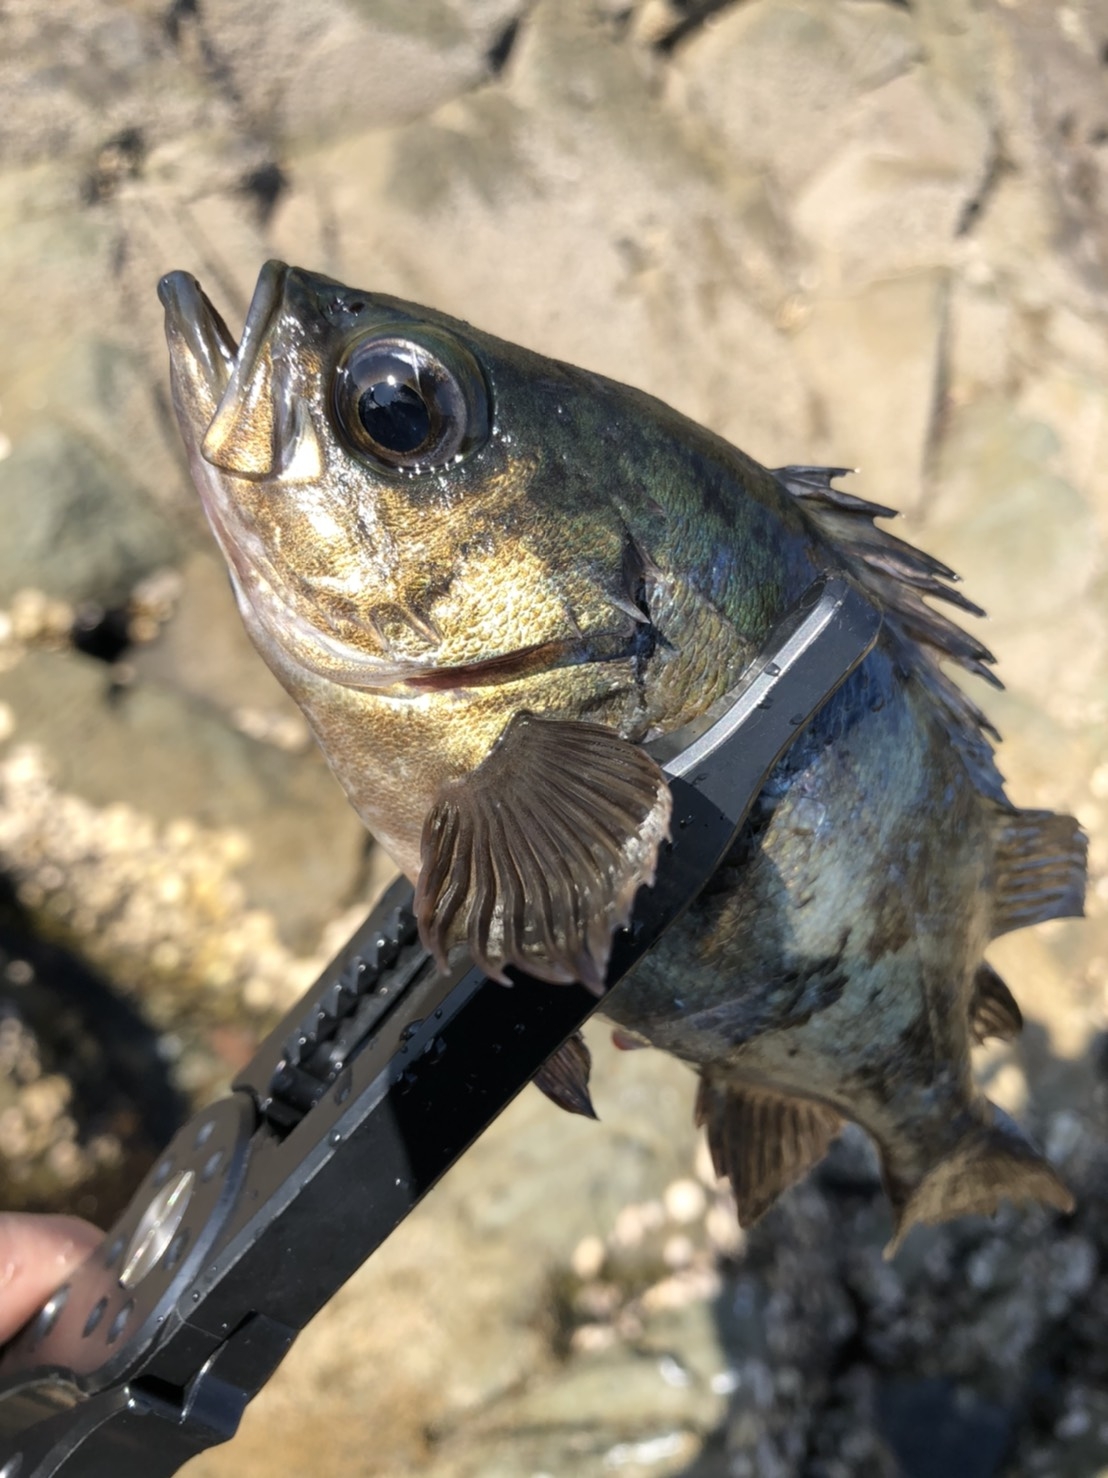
x,y
331,658
341,663
192,320
265,306
269,292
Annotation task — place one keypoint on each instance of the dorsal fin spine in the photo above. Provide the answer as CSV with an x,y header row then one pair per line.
x,y
898,576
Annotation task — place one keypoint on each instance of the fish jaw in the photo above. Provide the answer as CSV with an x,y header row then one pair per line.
x,y
202,350
202,360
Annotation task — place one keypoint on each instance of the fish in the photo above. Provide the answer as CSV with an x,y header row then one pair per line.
x,y
491,581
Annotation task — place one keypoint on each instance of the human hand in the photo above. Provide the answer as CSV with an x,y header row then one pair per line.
x,y
36,1254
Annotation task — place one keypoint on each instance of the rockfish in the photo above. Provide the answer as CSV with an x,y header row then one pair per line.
x,y
490,580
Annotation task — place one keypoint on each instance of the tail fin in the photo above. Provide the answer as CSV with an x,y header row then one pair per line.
x,y
991,1162
1040,860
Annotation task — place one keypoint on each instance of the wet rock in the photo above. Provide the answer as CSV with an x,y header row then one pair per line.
x,y
85,1102
94,83
1057,127
581,1408
936,1428
288,833
982,326
995,482
840,341
892,198
803,66
203,651
342,65
76,524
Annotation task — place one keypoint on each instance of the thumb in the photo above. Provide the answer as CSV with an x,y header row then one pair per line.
x,y
36,1254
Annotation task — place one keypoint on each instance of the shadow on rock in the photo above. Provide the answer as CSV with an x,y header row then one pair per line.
x,y
85,1097
978,1351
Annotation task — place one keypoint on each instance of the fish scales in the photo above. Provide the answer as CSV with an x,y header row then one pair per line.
x,y
489,580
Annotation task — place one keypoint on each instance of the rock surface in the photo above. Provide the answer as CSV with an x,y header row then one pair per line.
x,y
866,232
75,518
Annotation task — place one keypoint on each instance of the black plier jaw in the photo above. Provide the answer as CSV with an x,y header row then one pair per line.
x,y
370,1088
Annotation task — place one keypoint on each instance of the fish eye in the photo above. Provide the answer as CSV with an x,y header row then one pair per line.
x,y
409,407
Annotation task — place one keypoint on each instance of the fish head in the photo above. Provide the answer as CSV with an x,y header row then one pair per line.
x,y
420,527
381,482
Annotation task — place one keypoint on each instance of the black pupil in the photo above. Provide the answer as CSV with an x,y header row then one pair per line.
x,y
395,416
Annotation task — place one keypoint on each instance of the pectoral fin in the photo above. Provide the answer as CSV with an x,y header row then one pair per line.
x,y
762,1141
535,857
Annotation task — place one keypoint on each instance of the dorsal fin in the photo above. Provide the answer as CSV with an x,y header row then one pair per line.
x,y
898,576
993,1009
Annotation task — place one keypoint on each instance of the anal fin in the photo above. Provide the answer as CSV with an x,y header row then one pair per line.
x,y
762,1141
992,1161
993,1008
1041,862
564,1077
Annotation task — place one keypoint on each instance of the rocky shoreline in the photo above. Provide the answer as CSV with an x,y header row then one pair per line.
x,y
858,231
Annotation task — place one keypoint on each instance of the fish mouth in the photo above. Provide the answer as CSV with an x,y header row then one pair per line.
x,y
193,322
